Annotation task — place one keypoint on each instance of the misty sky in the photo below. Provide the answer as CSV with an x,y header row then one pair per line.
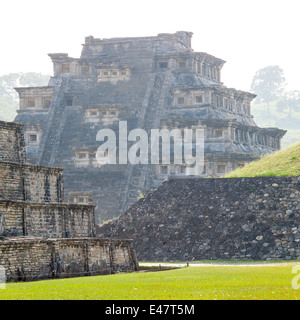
x,y
248,34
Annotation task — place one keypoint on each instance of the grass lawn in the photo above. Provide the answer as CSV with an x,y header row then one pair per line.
x,y
210,282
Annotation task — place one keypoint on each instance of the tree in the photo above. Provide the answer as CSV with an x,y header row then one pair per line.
x,y
8,107
7,84
33,79
9,97
290,101
268,84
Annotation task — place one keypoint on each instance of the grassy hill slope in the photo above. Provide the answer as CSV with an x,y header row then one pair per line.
x,y
281,163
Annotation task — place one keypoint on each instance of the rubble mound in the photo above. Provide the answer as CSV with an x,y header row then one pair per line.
x,y
197,219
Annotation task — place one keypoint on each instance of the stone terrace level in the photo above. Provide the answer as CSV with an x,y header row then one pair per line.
x,y
41,236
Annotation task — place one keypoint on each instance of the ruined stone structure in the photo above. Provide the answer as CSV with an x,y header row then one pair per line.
x,y
151,82
40,234
196,219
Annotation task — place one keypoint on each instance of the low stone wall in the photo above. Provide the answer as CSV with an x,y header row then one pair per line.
x,y
30,183
38,258
53,220
195,219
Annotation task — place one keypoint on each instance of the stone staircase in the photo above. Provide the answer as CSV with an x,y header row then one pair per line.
x,y
149,118
52,133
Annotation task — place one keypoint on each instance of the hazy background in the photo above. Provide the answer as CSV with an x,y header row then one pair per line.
x,y
249,35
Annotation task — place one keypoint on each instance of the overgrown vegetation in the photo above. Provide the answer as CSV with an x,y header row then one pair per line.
x,y
212,282
281,163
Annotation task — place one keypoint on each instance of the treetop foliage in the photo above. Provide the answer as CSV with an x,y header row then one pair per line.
x,y
28,79
9,97
268,84
290,101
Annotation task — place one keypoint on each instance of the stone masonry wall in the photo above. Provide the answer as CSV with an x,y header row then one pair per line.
x,y
194,219
12,144
11,182
46,220
12,218
40,236
30,183
37,258
43,184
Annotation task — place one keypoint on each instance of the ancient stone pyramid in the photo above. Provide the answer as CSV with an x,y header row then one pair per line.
x,y
150,82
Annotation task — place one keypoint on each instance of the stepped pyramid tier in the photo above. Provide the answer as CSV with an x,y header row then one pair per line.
x,y
150,82
40,234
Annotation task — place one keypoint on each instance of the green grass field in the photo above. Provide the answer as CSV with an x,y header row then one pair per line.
x,y
272,281
281,163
